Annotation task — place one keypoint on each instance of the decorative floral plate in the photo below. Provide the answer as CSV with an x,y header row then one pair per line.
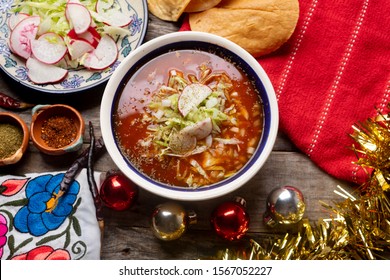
x,y
76,80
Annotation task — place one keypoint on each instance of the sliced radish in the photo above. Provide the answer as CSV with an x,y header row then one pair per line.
x,y
200,130
63,63
42,73
192,96
77,48
78,16
111,14
49,48
14,19
91,35
22,34
73,35
67,62
105,54
181,143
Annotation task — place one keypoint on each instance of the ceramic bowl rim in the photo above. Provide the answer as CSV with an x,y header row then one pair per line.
x,y
186,194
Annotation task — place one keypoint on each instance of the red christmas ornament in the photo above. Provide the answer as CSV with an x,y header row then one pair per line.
x,y
118,192
230,219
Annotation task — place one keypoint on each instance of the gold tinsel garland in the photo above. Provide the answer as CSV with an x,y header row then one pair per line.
x,y
358,227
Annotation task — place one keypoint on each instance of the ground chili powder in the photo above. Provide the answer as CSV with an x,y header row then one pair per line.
x,y
58,131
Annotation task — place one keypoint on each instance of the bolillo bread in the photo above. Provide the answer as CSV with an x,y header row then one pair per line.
x,y
169,10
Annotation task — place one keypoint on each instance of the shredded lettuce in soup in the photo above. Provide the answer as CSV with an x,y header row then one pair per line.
x,y
202,123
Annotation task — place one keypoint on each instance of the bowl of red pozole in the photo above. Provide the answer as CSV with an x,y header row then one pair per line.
x,y
189,116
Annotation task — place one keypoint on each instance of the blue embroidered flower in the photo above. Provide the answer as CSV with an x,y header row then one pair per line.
x,y
36,217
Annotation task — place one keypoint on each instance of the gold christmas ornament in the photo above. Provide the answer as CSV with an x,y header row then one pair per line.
x,y
170,221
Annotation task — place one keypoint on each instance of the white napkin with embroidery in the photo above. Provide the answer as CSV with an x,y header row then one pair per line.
x,y
33,226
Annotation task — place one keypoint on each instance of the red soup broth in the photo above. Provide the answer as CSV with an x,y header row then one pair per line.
x,y
228,150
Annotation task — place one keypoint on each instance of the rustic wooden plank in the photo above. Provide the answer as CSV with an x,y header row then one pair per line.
x,y
128,233
140,244
158,27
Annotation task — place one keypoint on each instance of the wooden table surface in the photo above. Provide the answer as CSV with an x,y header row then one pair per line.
x,y
127,234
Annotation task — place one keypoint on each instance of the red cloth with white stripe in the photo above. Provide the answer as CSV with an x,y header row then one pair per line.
x,y
332,73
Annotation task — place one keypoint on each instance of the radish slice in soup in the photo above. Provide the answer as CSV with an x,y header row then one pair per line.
x,y
200,130
192,96
181,143
49,48
105,54
42,73
22,34
185,141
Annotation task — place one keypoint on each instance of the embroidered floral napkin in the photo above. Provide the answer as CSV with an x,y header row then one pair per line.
x,y
34,227
332,73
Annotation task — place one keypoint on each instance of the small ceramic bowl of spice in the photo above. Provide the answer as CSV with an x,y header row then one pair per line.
x,y
14,137
57,129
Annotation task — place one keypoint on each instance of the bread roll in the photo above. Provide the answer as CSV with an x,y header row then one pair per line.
x,y
169,10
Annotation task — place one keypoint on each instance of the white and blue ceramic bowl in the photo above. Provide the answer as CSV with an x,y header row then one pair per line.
x,y
179,41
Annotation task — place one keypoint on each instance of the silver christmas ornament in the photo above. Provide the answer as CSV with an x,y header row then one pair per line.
x,y
285,206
